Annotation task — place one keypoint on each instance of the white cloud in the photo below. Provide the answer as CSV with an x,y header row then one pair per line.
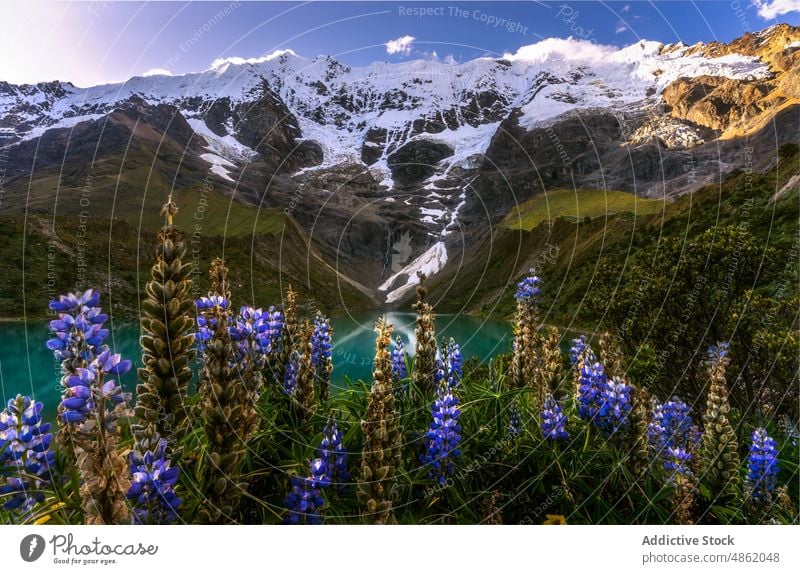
x,y
558,48
157,72
401,45
626,8
449,59
621,27
769,9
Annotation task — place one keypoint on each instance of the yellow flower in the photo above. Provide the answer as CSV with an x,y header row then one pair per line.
x,y
554,519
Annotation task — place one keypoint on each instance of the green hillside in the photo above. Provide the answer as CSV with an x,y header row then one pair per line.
x,y
719,264
578,204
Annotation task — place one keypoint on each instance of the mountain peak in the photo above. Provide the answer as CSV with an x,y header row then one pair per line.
x,y
221,64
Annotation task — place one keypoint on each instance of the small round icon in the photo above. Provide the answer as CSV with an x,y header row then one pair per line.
x,y
31,548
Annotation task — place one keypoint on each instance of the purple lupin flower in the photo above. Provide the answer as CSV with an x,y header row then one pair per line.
x,y
554,421
152,489
24,453
305,501
762,467
333,455
443,436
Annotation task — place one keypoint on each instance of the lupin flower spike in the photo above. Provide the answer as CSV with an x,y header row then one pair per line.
x,y
167,350
399,369
425,332
25,454
443,436
762,467
720,448
554,421
525,356
381,448
333,455
305,501
152,489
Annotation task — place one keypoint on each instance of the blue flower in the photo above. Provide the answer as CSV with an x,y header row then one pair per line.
x,y
290,374
24,453
334,457
212,301
111,364
207,308
78,331
85,388
577,349
399,369
514,421
449,365
77,398
671,425
762,467
454,364
274,329
152,489
321,346
528,289
305,499
554,421
205,330
443,436
718,352
591,384
71,302
606,404
615,406
249,332
676,462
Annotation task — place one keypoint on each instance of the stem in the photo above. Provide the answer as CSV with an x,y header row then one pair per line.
x,y
588,436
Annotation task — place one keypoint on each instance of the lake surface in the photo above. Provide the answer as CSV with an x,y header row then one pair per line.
x,y
28,367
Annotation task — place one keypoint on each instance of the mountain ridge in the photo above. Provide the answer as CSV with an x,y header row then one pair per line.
x,y
422,155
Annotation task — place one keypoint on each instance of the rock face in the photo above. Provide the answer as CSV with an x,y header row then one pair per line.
x,y
737,108
417,161
395,168
716,103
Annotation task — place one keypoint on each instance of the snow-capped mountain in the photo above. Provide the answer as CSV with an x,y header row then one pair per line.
x,y
414,152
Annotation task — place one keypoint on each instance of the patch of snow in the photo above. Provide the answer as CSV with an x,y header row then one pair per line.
x,y
218,165
429,263
594,76
226,146
220,63
67,122
792,45
433,212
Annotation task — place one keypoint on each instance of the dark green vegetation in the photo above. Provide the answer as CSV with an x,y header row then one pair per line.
x,y
46,255
718,264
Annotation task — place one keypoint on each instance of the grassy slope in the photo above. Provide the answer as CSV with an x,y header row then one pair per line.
x,y
122,197
39,261
133,188
577,204
568,252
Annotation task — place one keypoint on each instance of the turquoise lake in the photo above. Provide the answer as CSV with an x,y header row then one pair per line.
x,y
28,367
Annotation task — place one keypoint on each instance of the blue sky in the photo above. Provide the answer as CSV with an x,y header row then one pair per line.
x,y
99,41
